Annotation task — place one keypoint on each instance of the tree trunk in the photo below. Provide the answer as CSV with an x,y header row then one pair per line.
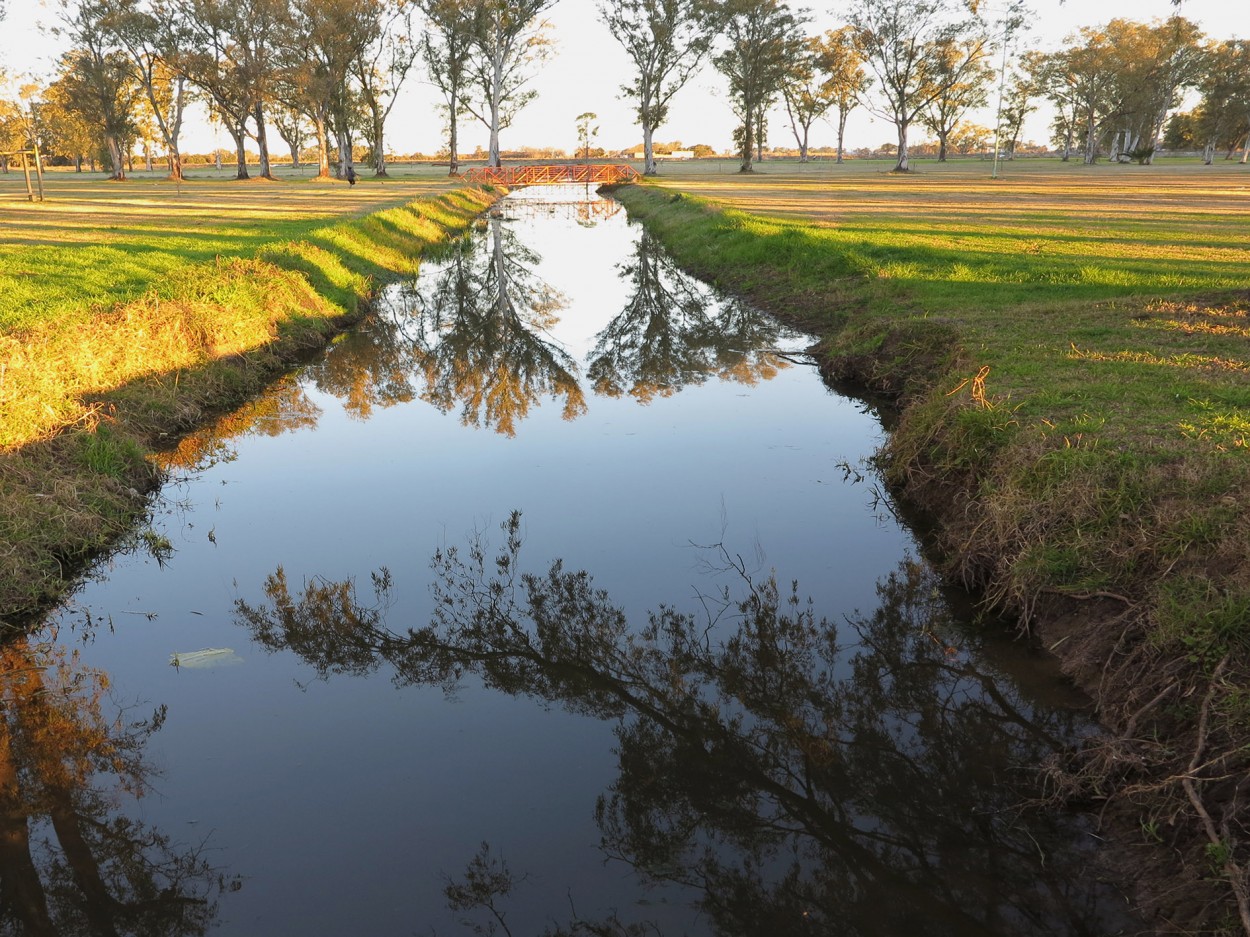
x,y
345,151
323,146
942,146
748,144
496,101
147,156
379,154
262,140
20,887
118,161
175,163
841,131
239,134
453,146
648,151
902,164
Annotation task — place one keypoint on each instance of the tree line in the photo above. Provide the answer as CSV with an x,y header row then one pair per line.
x,y
330,72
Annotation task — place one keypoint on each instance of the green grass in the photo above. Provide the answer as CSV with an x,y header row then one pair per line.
x,y
96,243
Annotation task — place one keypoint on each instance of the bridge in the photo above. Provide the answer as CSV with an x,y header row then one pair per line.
x,y
552,174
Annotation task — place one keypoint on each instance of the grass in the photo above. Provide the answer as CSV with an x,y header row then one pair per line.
x,y
203,293
1069,348
95,242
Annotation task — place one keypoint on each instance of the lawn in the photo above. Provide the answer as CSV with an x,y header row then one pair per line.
x,y
98,242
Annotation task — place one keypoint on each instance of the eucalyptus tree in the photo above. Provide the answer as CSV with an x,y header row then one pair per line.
x,y
152,39
380,70
1019,101
761,38
96,79
1120,80
1222,118
509,41
956,95
446,44
1156,63
292,127
908,45
666,40
327,41
842,62
808,90
233,57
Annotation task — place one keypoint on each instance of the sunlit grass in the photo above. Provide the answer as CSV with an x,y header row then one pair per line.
x,y
95,242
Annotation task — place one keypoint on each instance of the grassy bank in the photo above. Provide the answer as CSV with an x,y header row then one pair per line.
x,y
87,388
1068,345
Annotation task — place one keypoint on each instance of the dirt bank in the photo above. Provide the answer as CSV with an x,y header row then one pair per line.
x,y
1162,643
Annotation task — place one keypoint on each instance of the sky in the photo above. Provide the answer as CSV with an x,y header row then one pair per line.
x,y
588,66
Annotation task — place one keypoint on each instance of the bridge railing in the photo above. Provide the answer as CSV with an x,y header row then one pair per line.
x,y
553,174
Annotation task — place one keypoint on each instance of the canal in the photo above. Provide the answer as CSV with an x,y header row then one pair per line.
x,y
556,595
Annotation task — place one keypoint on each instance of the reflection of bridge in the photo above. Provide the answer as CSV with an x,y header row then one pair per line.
x,y
556,174
581,211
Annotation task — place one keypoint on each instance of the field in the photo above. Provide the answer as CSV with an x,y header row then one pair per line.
x,y
100,242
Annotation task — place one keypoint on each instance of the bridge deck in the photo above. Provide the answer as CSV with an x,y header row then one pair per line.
x,y
555,174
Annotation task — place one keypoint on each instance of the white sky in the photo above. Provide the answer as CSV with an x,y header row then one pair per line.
x,y
588,67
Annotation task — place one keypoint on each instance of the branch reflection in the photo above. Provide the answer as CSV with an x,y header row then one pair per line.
x,y
70,861
801,784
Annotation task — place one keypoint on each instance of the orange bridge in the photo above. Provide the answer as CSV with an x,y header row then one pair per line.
x,y
559,174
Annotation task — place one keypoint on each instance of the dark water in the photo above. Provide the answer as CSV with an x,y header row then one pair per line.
x,y
542,599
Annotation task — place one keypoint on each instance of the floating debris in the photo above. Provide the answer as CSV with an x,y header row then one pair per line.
x,y
204,658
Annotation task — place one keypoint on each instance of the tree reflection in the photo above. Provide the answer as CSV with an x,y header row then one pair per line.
x,y
802,785
669,336
484,323
70,862
283,408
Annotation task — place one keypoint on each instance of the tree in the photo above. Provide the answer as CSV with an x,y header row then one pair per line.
x,y
328,40
381,68
761,40
765,755
73,861
806,94
666,40
957,94
916,49
843,64
508,39
151,40
1222,118
446,44
96,79
231,59
1119,81
587,130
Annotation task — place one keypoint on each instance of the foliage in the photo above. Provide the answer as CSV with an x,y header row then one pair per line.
x,y
509,41
760,40
666,40
920,53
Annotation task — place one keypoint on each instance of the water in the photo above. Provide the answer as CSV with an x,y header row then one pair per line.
x,y
312,755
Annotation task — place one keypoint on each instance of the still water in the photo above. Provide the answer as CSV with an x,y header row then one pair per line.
x,y
551,597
